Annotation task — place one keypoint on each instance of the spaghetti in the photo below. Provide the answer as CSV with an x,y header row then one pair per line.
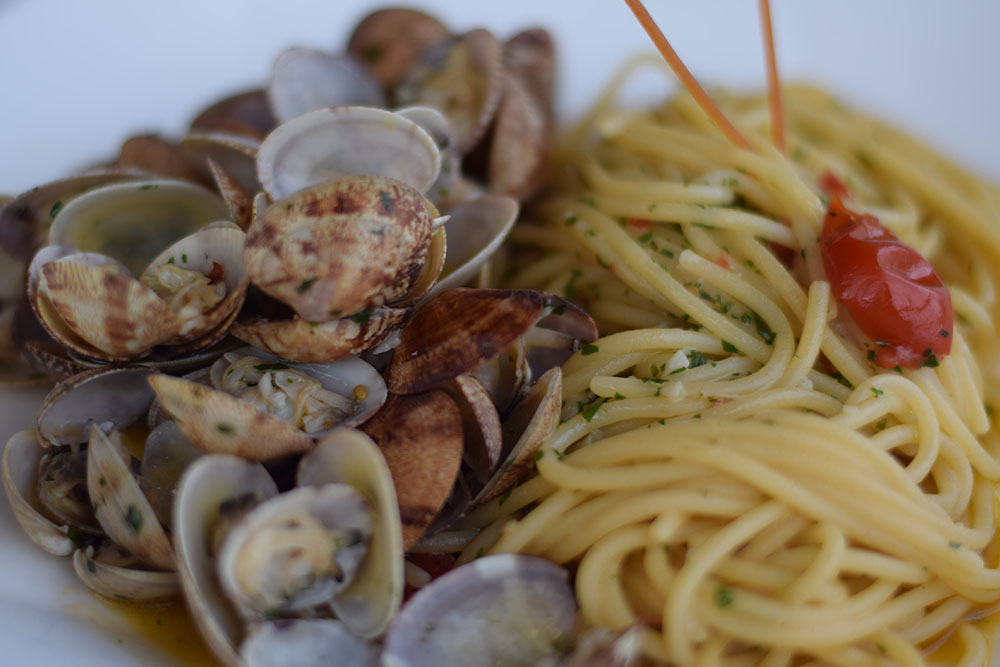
x,y
733,473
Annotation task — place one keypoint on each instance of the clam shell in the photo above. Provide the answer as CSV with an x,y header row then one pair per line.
x,y
121,508
433,264
159,156
480,425
101,311
200,252
391,41
350,457
112,395
204,487
165,456
507,609
340,141
420,436
475,229
247,114
124,583
463,77
530,56
533,418
133,222
338,509
437,126
302,341
457,331
518,159
304,80
341,247
236,154
237,199
305,641
21,457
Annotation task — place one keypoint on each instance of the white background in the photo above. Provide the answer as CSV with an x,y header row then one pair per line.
x,y
77,77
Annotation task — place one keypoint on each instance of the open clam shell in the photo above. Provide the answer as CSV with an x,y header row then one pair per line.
x,y
304,80
519,148
247,114
165,456
391,41
236,154
338,248
155,155
207,485
330,143
295,551
114,396
21,457
219,422
462,77
133,222
481,425
532,419
123,583
507,609
121,508
420,436
457,331
347,456
475,229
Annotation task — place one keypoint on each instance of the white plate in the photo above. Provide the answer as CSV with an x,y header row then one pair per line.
x,y
76,78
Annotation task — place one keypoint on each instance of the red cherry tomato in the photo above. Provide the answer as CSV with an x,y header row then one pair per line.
x,y
892,293
833,187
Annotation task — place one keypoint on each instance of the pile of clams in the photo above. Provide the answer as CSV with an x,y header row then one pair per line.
x,y
276,393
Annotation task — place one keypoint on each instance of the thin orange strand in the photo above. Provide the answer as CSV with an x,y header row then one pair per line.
x,y
773,84
692,85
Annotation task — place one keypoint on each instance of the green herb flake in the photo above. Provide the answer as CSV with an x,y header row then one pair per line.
x,y
570,220
952,544
646,238
386,201
880,426
559,310
589,201
723,596
589,349
729,347
133,517
930,362
184,258
877,392
505,497
305,285
148,186
538,455
224,428
871,356
56,207
618,396
362,317
823,199
589,413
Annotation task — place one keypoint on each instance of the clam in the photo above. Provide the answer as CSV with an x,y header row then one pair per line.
x,y
530,421
117,577
338,248
420,436
461,77
347,456
260,407
119,504
208,487
391,41
507,609
476,229
235,154
295,551
247,114
463,330
304,80
437,126
21,458
518,155
480,425
165,456
152,154
190,281
340,141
